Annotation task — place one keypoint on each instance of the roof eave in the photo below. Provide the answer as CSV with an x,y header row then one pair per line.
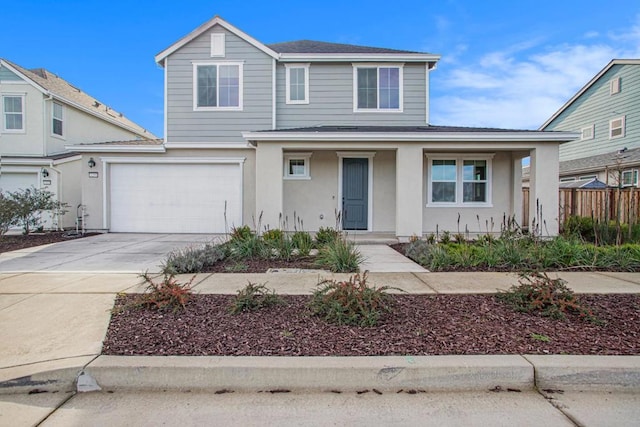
x,y
356,57
98,148
159,58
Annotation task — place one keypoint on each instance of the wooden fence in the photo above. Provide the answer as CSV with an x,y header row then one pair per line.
x,y
599,203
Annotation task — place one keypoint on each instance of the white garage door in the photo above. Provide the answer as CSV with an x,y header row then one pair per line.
x,y
174,198
13,181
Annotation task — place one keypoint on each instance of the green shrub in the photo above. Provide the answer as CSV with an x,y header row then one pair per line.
x,y
30,203
8,213
166,294
350,302
274,236
326,235
303,242
249,246
193,259
253,297
241,233
539,293
340,256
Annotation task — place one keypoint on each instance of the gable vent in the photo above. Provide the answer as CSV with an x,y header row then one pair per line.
x,y
217,45
614,86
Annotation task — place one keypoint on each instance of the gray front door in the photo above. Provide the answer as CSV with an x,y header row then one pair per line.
x,y
355,194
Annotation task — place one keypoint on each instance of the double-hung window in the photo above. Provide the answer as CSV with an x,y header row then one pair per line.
x,y
629,178
217,86
377,88
616,127
297,83
57,114
459,180
13,113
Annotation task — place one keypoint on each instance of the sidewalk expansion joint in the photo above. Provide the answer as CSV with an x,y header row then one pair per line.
x,y
427,284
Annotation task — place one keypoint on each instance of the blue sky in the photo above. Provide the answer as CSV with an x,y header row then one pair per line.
x,y
504,63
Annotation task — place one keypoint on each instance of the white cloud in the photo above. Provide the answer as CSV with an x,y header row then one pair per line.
x,y
516,88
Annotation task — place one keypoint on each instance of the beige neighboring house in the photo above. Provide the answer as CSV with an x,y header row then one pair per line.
x,y
40,114
307,129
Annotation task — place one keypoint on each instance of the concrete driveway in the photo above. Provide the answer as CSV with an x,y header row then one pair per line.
x,y
113,252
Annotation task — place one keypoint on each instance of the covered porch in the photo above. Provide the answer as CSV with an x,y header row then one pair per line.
x,y
403,181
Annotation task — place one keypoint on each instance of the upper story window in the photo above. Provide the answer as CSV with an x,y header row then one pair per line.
x,y
460,181
13,113
616,128
587,133
377,87
297,83
614,86
57,119
217,86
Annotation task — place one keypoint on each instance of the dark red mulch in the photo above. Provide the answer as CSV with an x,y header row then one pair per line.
x,y
15,242
258,265
419,325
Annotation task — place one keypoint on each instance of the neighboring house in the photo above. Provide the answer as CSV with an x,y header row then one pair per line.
x,y
606,113
40,114
261,134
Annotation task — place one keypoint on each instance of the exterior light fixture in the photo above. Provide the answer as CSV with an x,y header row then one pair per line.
x,y
45,173
91,163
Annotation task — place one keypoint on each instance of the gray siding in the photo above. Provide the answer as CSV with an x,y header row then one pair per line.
x,y
596,106
331,99
186,125
6,75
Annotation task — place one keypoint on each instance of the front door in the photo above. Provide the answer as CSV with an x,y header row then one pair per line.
x,y
355,194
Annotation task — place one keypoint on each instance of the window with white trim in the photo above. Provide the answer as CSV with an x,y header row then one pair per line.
x,y
57,119
587,132
614,86
217,86
13,113
583,177
629,178
459,180
297,83
296,166
378,88
569,179
616,127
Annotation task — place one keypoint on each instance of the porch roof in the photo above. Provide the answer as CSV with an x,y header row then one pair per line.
x,y
406,133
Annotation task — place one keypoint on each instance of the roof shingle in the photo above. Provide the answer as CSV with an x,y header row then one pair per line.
x,y
313,46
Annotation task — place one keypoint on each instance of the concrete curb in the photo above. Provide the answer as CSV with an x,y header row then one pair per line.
x,y
344,374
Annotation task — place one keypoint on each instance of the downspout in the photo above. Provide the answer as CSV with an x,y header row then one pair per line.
x,y
44,124
273,94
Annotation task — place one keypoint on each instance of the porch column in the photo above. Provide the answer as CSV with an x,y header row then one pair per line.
x,y
269,191
543,189
516,187
409,191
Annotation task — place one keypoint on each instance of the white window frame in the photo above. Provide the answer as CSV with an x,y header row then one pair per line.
x,y
588,129
459,159
217,45
583,177
622,127
634,178
305,157
61,118
614,86
377,66
24,112
568,179
288,68
239,64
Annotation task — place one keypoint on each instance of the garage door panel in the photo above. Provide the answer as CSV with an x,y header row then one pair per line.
x,y
177,198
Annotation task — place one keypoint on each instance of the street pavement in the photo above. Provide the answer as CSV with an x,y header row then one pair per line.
x,y
54,312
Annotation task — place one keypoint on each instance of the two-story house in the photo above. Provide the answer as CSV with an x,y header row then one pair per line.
x,y
606,113
260,134
40,114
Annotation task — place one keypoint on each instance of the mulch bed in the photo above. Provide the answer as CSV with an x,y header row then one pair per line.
x,y
259,265
15,242
419,325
